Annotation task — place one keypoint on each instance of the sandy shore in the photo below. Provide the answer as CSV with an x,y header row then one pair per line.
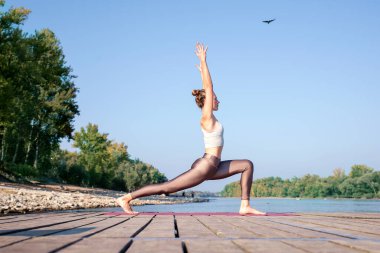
x,y
21,198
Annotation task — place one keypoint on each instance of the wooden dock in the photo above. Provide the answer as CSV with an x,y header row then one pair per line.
x,y
102,232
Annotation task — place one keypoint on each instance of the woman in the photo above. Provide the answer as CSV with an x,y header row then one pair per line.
x,y
209,167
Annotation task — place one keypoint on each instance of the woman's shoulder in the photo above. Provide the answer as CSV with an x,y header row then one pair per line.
x,y
208,124
208,120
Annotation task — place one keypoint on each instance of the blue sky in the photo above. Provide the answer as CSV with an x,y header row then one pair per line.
x,y
298,96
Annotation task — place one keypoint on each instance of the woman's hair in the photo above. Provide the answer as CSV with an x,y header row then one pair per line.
x,y
200,96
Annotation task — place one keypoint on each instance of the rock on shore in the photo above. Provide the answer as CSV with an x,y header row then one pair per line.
x,y
18,199
26,200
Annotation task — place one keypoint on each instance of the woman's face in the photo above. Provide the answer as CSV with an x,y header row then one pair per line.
x,y
215,103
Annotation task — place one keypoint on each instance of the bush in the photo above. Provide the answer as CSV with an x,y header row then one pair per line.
x,y
23,170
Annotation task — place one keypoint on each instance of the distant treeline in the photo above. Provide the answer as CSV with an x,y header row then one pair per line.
x,y
37,109
362,182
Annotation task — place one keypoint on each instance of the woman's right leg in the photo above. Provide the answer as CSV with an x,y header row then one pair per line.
x,y
200,171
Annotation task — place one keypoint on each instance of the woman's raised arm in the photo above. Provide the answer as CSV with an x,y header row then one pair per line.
x,y
207,109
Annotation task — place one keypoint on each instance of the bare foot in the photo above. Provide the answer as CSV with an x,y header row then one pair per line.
x,y
248,210
124,203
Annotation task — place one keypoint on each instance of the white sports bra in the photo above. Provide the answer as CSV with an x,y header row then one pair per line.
x,y
215,138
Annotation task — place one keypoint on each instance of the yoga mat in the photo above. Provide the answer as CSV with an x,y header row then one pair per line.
x,y
201,214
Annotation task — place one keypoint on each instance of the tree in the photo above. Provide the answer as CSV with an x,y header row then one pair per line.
x,y
37,97
55,106
65,168
371,182
139,174
338,173
93,155
118,153
231,190
12,47
108,164
359,170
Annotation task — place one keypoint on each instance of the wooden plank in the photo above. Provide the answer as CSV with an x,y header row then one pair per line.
x,y
126,229
327,229
93,228
61,227
190,227
257,229
320,246
7,217
270,230
212,246
19,215
122,230
354,222
358,219
161,226
361,215
265,246
375,221
364,245
223,229
26,235
7,240
350,225
62,238
95,245
27,217
33,224
37,245
161,245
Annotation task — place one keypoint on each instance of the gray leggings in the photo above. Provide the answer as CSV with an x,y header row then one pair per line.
x,y
208,167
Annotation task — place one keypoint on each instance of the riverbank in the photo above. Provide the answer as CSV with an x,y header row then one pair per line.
x,y
25,198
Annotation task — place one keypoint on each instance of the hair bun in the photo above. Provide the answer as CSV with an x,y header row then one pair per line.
x,y
195,92
199,97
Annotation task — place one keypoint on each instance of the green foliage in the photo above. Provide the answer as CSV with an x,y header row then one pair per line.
x,y
359,170
37,97
231,190
23,170
103,163
93,154
362,182
65,168
139,174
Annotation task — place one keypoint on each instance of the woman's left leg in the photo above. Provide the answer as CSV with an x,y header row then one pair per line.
x,y
232,167
246,168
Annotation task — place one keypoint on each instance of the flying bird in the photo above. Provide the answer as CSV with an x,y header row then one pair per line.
x,y
268,21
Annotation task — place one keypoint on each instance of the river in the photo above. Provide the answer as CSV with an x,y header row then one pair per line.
x,y
267,205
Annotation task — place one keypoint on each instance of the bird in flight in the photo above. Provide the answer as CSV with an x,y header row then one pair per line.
x,y
268,21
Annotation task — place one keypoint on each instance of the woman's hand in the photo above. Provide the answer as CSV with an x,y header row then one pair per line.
x,y
201,51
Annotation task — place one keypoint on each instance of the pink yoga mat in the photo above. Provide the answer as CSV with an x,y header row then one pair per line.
x,y
201,214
